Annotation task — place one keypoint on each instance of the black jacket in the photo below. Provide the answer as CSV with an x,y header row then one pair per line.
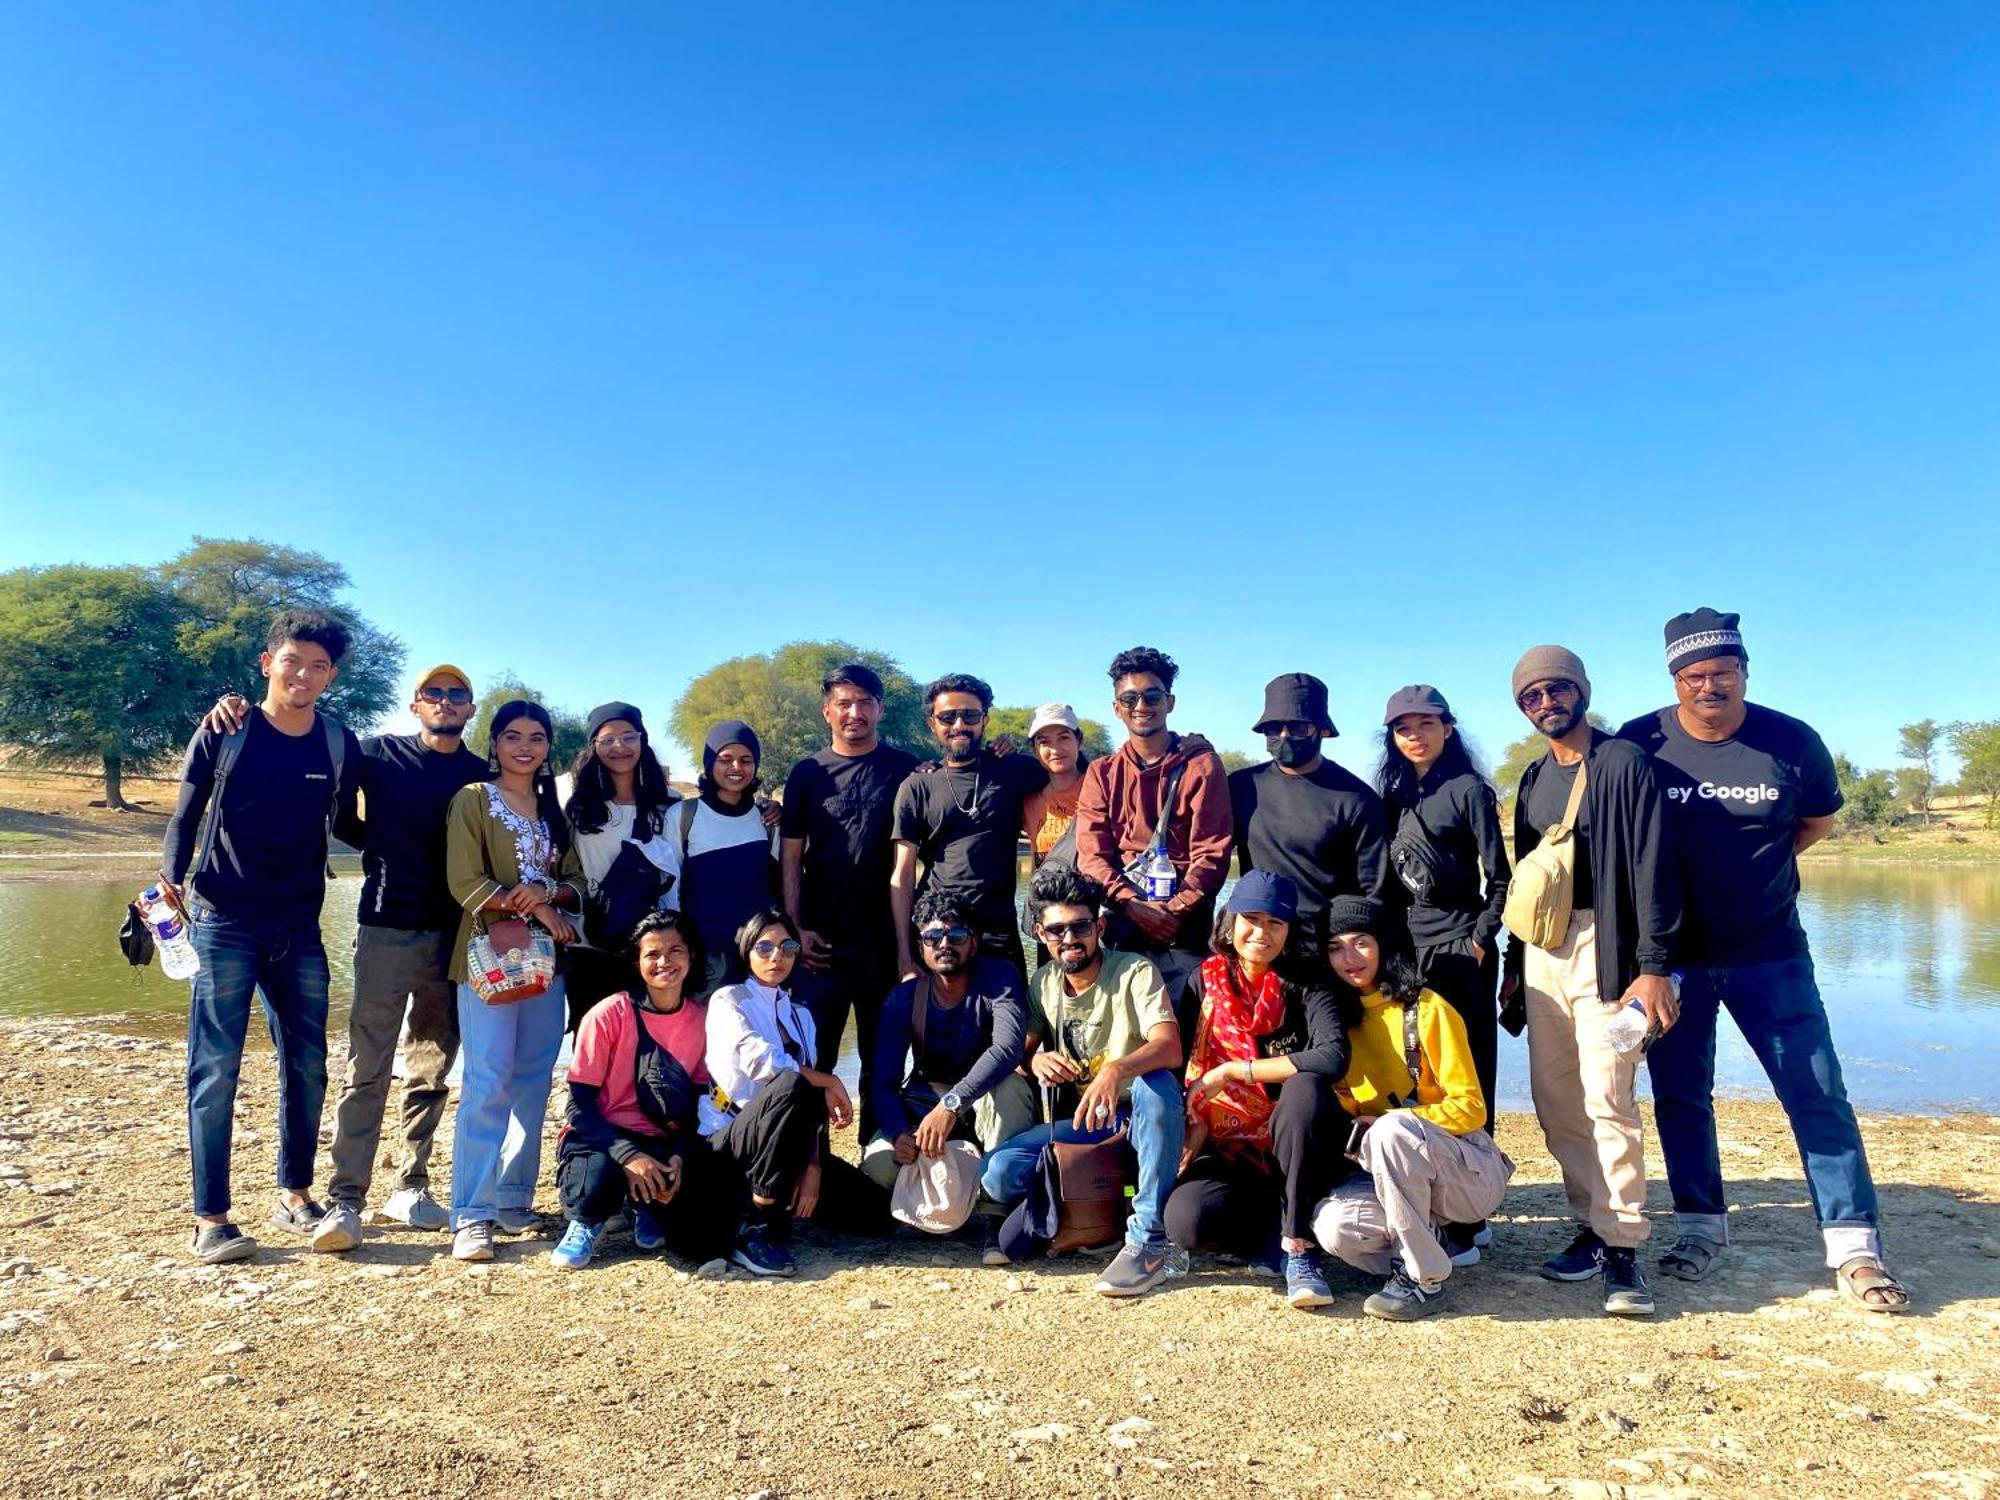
x,y
1463,821
1313,1033
1633,866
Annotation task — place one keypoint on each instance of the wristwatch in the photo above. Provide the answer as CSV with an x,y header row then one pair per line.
x,y
952,1102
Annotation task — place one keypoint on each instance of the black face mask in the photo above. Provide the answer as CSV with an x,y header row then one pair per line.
x,y
1289,752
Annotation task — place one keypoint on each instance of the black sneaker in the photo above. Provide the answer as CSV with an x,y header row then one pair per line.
x,y
992,1253
756,1254
1583,1259
1625,1294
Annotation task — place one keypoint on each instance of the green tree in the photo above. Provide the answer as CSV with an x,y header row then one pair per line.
x,y
1013,719
777,695
1919,745
1976,743
1235,760
91,672
231,589
568,725
1870,795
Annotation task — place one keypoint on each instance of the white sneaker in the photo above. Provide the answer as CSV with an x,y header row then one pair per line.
x,y
338,1230
416,1208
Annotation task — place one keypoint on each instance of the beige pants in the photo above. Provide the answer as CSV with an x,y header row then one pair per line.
x,y
997,1116
1583,1090
1419,1175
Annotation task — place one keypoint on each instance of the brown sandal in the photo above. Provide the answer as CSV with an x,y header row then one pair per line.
x,y
1866,1282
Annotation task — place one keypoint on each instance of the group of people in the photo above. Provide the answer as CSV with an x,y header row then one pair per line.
x,y
1303,1067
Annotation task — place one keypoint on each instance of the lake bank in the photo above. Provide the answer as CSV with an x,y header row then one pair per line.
x,y
914,1371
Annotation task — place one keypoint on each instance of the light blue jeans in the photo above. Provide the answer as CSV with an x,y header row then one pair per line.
x,y
496,1148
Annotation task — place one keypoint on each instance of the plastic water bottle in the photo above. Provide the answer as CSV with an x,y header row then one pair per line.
x,y
1627,1030
178,960
1161,881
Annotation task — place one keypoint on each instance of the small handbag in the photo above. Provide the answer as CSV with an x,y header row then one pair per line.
x,y
509,959
1540,895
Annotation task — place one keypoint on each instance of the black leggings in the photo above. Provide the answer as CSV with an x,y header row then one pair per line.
x,y
1471,987
772,1141
699,1220
1231,1201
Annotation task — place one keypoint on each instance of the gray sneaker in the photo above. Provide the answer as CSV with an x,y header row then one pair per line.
x,y
473,1241
216,1244
1135,1271
416,1208
1403,1300
518,1220
338,1230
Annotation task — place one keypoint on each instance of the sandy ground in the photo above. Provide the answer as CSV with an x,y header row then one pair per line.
x,y
126,1369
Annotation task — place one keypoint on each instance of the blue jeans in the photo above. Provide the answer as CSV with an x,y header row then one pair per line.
x,y
1158,1124
496,1148
288,966
1777,1007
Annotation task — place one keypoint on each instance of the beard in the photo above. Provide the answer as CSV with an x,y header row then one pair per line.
x,y
1076,963
945,961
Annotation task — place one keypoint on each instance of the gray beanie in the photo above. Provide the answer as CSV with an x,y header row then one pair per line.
x,y
1540,663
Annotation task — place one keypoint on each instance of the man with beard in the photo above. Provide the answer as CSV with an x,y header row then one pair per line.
x,y
961,817
949,1050
1302,816
836,859
1100,1023
1618,946
1748,789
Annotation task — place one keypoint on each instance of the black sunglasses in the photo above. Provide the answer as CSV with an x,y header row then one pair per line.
x,y
1055,932
1151,697
445,695
960,715
935,937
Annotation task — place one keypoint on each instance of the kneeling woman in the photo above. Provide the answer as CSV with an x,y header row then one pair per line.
x,y
1264,1129
767,1115
629,1140
1413,1090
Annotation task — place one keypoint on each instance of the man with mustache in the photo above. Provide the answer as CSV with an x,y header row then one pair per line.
x,y
1749,789
1618,946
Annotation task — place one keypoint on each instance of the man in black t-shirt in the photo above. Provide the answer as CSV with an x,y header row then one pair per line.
x,y
1748,789
961,817
252,886
836,857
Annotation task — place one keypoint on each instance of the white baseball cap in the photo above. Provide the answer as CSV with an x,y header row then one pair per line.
x,y
1051,714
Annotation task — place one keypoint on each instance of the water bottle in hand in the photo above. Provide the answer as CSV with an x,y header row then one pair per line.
x,y
1161,881
1628,1031
178,959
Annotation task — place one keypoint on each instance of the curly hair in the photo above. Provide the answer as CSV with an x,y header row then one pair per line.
x,y
1064,885
1145,661
958,682
937,905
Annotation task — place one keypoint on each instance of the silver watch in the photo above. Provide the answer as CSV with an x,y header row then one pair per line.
x,y
952,1102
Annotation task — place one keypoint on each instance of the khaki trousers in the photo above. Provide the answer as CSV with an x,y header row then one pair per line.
x,y
1414,1176
1584,1091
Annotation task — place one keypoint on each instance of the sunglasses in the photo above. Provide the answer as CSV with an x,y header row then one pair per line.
x,y
937,937
765,948
1055,932
1535,697
1151,697
617,741
960,715
445,695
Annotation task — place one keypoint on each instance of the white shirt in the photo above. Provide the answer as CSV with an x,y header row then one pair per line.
x,y
748,1024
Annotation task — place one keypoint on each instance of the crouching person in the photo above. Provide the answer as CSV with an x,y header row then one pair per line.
x,y
767,1116
1099,1022
1264,1131
1419,1122
948,1049
629,1142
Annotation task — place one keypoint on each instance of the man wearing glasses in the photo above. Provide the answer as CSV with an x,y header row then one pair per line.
x,y
1625,915
1748,789
1159,790
961,817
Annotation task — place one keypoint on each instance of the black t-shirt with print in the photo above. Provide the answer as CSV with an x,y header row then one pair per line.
x,y
842,806
1736,806
1548,798
966,825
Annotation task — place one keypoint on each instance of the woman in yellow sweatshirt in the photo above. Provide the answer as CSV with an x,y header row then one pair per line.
x,y
1420,1117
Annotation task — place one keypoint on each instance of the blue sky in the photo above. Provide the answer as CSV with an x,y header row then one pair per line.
x,y
606,342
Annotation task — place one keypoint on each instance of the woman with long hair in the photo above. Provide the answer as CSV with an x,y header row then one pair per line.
x,y
507,855
1264,1130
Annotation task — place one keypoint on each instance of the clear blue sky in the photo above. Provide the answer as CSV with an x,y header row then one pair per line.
x,y
604,342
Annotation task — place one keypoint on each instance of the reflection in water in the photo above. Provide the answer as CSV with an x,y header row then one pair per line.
x,y
1908,959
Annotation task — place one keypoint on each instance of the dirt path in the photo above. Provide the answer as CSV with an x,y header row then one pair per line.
x,y
124,1369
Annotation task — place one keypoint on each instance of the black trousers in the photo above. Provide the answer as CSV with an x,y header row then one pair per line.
x,y
771,1142
849,985
1472,987
1232,1201
699,1219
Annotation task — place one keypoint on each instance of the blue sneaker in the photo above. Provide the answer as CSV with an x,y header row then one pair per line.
x,y
1581,1260
579,1243
756,1254
1305,1284
646,1231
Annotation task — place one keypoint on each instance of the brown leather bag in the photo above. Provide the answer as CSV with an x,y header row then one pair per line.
x,y
1091,1179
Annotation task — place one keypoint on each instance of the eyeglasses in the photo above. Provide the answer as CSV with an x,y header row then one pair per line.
x,y
765,948
617,741
1055,932
1535,697
1294,731
445,695
1728,677
937,937
1151,697
960,715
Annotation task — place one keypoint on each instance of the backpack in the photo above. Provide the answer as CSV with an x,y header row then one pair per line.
x,y
1540,895
226,756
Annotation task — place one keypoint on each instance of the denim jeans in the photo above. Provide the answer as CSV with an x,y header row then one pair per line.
x,y
288,967
1777,1007
496,1148
1157,1122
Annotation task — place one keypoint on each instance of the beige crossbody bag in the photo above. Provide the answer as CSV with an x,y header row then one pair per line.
x,y
1540,894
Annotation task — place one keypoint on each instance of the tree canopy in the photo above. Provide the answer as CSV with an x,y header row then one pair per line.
x,y
1976,743
567,741
1014,719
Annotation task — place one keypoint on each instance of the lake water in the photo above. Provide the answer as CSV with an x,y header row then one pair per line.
x,y
1908,959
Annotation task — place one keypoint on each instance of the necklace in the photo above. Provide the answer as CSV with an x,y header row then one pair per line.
x,y
951,779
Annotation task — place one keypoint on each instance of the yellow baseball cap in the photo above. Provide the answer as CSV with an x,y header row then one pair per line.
x,y
444,668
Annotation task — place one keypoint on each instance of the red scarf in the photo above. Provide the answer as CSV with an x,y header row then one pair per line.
x,y
1233,1016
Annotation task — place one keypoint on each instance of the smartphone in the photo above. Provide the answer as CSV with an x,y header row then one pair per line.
x,y
1353,1147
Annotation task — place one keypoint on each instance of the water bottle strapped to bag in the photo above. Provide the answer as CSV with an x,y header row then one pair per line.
x,y
1540,895
1151,870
